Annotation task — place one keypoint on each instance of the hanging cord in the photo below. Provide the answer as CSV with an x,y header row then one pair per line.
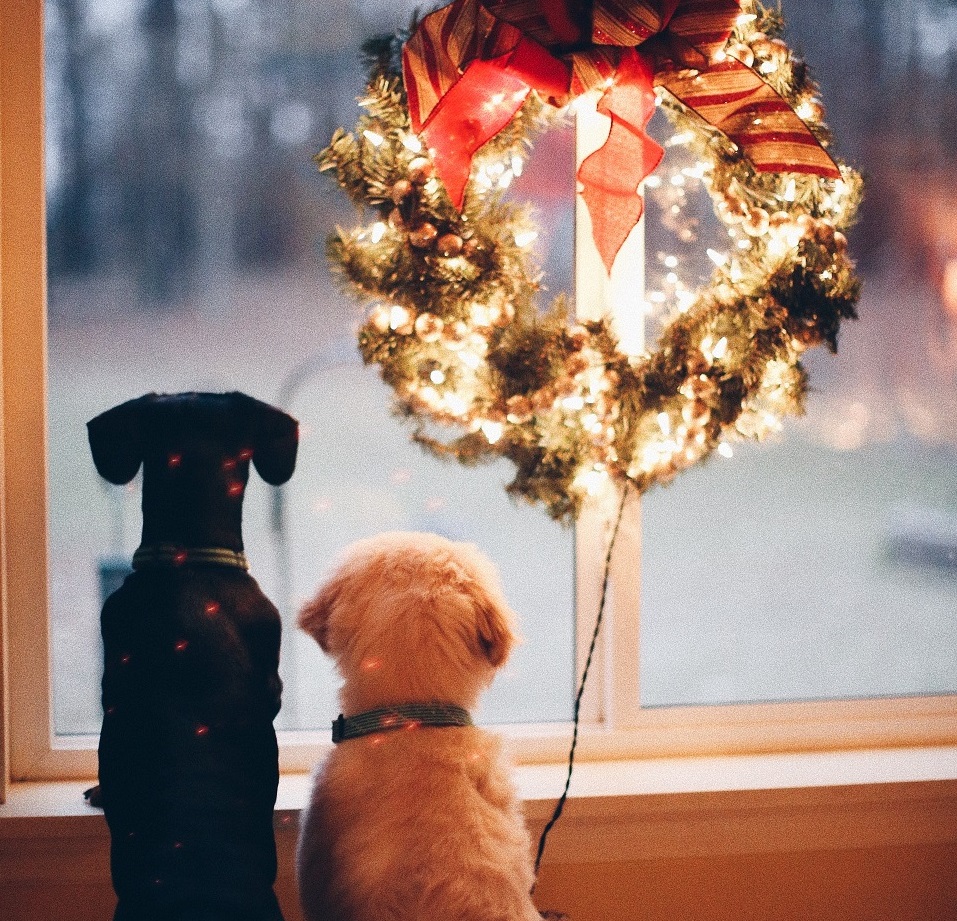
x,y
560,805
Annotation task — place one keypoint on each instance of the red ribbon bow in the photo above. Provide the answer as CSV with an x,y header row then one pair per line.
x,y
470,65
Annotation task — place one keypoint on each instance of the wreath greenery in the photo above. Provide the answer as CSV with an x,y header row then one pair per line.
x,y
457,334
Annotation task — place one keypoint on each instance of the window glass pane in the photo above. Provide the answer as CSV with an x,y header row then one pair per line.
x,y
825,565
185,233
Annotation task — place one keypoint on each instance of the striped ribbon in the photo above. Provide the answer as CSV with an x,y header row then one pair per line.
x,y
402,716
470,65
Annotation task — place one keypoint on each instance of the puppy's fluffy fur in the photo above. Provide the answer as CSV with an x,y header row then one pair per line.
x,y
421,825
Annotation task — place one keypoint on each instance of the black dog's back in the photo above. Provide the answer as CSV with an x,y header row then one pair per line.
x,y
188,755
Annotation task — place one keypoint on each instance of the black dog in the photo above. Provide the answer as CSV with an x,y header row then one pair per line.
x,y
188,754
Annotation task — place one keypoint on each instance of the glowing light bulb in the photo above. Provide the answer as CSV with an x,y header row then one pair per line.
x,y
376,140
725,450
399,316
411,142
526,237
378,231
719,259
437,376
664,423
492,430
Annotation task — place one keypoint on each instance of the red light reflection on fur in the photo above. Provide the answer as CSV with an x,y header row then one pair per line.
x,y
376,740
371,663
180,558
235,489
174,460
245,454
212,607
202,730
181,645
229,464
412,724
125,658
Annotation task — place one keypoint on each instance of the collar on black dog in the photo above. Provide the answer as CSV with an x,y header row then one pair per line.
x,y
172,555
403,716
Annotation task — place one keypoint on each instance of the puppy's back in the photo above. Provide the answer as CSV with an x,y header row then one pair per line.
x,y
415,824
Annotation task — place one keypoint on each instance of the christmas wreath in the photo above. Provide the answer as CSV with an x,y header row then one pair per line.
x,y
447,264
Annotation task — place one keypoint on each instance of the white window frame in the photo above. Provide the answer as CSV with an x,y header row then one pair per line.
x,y
614,726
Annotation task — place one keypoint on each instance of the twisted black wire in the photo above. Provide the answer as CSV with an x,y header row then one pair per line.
x,y
560,805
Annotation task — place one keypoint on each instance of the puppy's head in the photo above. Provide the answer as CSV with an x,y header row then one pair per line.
x,y
411,618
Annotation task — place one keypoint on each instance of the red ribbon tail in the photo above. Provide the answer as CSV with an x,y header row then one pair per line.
x,y
481,103
473,111
611,175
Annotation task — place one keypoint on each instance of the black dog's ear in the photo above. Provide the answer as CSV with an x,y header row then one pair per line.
x,y
115,441
275,441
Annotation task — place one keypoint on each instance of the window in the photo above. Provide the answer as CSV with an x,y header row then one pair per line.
x,y
679,691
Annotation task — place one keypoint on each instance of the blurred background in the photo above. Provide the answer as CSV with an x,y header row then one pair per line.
x,y
186,228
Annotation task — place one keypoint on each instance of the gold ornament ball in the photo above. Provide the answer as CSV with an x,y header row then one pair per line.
x,y
779,219
733,209
824,232
423,236
757,222
518,409
381,318
449,244
454,335
762,45
544,398
805,224
779,47
743,53
400,190
421,170
429,327
505,314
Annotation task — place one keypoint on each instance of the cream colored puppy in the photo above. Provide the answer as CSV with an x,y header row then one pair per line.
x,y
411,821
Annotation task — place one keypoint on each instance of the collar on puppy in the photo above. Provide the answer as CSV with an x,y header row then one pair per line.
x,y
171,555
403,716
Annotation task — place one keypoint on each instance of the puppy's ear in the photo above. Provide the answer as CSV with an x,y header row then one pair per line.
x,y
275,438
493,624
116,440
314,615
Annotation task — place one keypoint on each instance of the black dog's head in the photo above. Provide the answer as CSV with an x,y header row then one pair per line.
x,y
195,449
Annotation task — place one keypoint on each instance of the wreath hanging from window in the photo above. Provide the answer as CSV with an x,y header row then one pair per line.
x,y
447,266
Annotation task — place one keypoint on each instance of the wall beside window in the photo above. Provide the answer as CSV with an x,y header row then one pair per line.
x,y
851,854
